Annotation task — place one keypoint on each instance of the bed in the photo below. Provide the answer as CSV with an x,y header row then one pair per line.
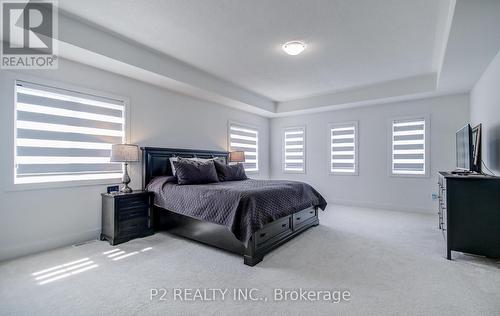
x,y
248,217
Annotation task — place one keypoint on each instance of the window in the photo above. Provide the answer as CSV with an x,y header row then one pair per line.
x,y
246,139
409,147
294,150
343,142
65,136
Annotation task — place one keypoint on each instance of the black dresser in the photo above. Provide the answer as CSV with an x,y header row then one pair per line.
x,y
469,213
126,216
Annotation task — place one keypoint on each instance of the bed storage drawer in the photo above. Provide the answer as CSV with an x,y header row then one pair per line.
x,y
273,229
302,217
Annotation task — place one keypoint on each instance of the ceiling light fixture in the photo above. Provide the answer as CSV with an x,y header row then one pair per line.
x,y
294,47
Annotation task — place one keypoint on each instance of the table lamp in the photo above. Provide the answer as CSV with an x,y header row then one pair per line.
x,y
125,153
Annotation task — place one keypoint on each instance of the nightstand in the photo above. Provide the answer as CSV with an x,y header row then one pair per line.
x,y
126,216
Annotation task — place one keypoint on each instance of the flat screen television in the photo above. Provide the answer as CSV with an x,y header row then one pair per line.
x,y
468,149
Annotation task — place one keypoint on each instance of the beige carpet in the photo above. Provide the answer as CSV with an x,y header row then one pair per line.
x,y
392,263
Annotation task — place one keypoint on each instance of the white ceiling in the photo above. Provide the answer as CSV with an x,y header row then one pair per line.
x,y
351,44
474,41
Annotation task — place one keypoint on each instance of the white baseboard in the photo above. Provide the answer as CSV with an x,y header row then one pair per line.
x,y
382,206
19,250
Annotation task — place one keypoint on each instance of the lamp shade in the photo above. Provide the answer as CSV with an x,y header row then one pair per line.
x,y
237,156
124,153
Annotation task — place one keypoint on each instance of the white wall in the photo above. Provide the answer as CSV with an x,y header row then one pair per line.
x,y
36,220
485,109
373,186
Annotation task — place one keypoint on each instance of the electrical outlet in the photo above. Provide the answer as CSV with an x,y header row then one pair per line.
x,y
434,196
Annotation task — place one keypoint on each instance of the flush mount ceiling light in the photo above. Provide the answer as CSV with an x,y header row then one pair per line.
x,y
294,47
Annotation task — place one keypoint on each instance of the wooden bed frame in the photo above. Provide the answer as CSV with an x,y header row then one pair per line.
x,y
156,163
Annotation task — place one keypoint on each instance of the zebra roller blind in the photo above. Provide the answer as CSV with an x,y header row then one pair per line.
x,y
294,150
65,136
408,147
343,148
246,139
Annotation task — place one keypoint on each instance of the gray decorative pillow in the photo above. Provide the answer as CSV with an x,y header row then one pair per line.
x,y
195,171
172,159
230,172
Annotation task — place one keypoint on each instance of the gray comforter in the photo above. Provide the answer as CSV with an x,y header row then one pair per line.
x,y
242,206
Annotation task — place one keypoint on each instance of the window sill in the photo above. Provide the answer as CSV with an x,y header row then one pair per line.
x,y
343,174
14,187
416,176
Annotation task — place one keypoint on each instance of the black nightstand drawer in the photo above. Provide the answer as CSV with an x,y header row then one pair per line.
x,y
133,226
131,213
133,201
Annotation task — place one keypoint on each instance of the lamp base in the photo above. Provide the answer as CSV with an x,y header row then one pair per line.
x,y
126,189
126,181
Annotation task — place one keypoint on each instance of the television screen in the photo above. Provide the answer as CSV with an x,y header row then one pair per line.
x,y
476,146
464,153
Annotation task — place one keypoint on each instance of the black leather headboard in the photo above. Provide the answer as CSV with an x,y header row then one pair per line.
x,y
155,160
